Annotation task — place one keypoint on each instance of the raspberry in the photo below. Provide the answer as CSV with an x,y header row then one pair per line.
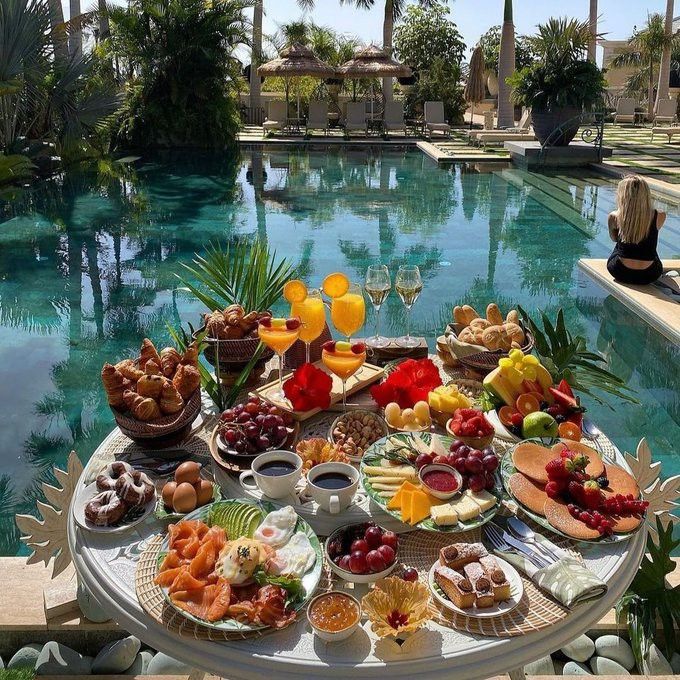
x,y
552,490
585,517
575,491
557,469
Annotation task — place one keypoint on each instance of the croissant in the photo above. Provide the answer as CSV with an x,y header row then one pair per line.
x,y
150,386
187,380
114,384
129,370
148,353
190,356
170,357
152,368
142,408
171,400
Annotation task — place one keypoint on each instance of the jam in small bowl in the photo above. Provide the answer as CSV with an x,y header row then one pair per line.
x,y
441,481
334,616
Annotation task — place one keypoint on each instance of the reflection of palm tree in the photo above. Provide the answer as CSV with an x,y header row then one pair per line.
x,y
497,208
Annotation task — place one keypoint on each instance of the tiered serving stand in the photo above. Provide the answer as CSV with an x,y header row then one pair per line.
x,y
118,569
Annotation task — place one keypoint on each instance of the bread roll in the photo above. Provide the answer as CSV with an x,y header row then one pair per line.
x,y
493,314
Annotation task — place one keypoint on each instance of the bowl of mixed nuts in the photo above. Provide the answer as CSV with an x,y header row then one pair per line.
x,y
353,432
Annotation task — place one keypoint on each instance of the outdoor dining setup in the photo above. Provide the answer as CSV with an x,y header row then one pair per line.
x,y
342,511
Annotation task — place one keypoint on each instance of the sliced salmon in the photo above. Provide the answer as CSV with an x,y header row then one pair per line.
x,y
181,532
220,605
218,536
185,581
205,560
171,561
188,547
166,577
196,601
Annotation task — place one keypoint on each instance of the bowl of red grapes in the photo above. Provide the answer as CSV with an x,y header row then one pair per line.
x,y
362,553
251,428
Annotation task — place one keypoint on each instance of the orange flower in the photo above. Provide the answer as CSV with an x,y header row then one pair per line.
x,y
317,450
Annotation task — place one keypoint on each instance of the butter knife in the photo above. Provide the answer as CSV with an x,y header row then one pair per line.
x,y
525,550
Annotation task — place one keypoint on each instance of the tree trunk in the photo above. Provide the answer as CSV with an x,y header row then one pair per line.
x,y
75,40
58,30
256,51
104,28
506,67
665,66
650,90
592,22
388,29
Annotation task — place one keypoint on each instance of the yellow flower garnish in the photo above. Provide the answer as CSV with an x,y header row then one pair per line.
x,y
317,450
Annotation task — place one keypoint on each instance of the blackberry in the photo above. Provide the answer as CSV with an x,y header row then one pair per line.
x,y
544,405
516,430
603,482
560,418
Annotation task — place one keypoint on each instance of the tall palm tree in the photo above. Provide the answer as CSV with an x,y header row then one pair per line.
x,y
592,20
58,29
506,67
75,38
665,66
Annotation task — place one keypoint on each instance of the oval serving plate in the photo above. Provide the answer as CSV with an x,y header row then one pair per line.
x,y
376,451
310,580
500,608
507,469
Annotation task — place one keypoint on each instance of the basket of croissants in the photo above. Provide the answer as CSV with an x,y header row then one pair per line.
x,y
156,397
231,340
477,341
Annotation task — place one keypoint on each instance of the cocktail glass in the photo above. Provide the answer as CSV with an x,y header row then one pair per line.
x,y
312,313
344,360
348,312
279,335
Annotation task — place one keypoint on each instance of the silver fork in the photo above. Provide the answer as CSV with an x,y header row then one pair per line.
x,y
495,537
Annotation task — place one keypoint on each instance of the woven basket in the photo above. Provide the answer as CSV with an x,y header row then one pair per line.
x,y
165,431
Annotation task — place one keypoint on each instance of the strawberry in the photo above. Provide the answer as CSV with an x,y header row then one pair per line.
x,y
575,491
566,453
467,413
592,496
552,489
517,419
557,469
580,461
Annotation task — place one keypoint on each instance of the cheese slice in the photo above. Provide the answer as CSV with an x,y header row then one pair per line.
x,y
406,499
437,447
465,507
387,494
386,486
444,515
396,481
404,471
420,507
395,502
483,499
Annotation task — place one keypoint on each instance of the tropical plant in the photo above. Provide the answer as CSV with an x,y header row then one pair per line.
x,y
567,356
425,34
241,272
645,48
490,43
184,72
439,83
648,597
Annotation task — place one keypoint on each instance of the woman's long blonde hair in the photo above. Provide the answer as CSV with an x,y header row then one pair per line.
x,y
634,209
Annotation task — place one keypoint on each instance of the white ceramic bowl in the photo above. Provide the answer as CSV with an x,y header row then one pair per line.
x,y
442,495
334,636
348,575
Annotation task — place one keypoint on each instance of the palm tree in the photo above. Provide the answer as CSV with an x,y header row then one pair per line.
x,y
646,47
58,29
75,38
665,66
506,67
592,20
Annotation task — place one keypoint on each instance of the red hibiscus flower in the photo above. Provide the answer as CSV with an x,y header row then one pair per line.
x,y
410,382
308,388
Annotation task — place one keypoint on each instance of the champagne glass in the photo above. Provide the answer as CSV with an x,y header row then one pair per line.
x,y
377,287
408,285
312,313
348,311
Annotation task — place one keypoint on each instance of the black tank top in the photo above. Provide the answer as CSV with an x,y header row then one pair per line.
x,y
645,250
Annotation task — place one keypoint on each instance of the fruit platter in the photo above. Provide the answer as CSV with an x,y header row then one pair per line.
x,y
240,565
568,489
431,481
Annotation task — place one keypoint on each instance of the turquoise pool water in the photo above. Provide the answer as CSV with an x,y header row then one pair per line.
x,y
87,265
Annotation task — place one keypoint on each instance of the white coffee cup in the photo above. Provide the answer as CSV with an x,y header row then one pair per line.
x,y
274,486
333,500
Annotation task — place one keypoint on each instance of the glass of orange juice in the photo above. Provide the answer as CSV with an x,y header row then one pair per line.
x,y
348,311
279,335
312,313
343,359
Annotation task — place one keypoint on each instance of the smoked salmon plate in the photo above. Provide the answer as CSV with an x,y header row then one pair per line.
x,y
240,565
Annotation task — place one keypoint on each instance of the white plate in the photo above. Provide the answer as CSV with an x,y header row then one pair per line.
x,y
516,592
133,517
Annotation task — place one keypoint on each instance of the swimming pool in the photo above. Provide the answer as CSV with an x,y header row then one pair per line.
x,y
87,265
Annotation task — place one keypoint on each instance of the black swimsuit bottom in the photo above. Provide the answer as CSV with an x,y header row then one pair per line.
x,y
638,277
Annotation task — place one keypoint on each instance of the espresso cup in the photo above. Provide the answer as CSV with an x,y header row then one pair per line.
x,y
332,500
273,486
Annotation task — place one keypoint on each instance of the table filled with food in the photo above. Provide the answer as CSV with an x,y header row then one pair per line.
x,y
274,501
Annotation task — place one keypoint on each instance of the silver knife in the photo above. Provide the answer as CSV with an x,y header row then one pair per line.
x,y
525,549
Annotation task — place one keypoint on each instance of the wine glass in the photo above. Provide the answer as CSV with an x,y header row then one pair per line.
x,y
312,313
348,311
344,360
408,285
280,335
377,287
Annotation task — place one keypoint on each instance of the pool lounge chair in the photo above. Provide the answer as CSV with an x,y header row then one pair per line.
x,y
502,136
665,112
355,118
277,118
318,117
665,130
625,110
393,120
435,120
523,130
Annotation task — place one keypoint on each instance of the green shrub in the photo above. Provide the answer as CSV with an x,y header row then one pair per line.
x,y
440,83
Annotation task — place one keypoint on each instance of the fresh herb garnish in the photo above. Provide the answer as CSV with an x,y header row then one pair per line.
x,y
293,586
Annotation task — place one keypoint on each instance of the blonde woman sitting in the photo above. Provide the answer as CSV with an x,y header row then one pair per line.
x,y
634,227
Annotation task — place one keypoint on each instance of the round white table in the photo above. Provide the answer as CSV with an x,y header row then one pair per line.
x,y
106,565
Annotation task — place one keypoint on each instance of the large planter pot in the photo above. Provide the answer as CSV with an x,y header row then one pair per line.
x,y
547,121
492,84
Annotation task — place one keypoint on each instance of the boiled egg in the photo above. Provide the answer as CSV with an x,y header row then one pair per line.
x,y
293,559
188,472
277,527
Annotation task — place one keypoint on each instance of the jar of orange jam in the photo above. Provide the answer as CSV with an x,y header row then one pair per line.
x,y
334,616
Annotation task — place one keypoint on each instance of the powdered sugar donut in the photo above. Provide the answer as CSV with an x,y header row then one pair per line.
x,y
106,508
135,488
106,480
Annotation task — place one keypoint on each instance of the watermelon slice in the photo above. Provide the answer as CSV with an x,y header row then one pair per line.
x,y
565,388
565,399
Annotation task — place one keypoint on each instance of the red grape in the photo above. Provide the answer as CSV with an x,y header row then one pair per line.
x,y
387,553
373,537
252,431
424,459
360,545
488,451
230,436
263,442
473,465
243,417
460,465
254,400
281,434
490,462
441,460
475,453
239,446
357,563
228,416
464,450
343,562
390,538
456,444
269,421
410,574
251,408
477,482
375,561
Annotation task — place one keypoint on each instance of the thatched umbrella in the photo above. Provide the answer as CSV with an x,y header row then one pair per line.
x,y
474,88
373,62
296,60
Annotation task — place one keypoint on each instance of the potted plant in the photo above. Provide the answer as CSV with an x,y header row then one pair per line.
x,y
562,84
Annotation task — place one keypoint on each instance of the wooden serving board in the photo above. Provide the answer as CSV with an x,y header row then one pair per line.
x,y
365,376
